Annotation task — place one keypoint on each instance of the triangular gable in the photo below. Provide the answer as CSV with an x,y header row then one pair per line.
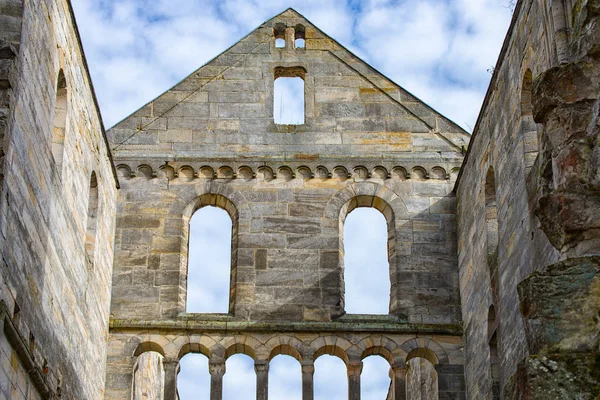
x,y
350,107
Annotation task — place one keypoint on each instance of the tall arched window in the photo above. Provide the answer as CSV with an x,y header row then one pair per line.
x,y
148,377
92,218
60,119
209,261
529,129
367,242
366,267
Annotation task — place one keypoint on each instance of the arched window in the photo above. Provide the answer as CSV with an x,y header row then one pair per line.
x,y
279,35
193,381
529,129
285,378
491,221
92,218
375,378
148,377
60,120
239,381
330,379
210,261
366,266
299,36
368,245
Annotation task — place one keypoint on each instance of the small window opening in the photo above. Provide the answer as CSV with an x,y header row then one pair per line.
x,y
209,264
279,34
60,119
300,37
239,381
92,218
288,96
285,378
330,378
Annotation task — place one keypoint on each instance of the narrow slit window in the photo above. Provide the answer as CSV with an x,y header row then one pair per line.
x,y
60,119
209,264
92,219
288,96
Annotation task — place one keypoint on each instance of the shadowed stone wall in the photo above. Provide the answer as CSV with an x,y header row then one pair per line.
x,y
54,297
543,282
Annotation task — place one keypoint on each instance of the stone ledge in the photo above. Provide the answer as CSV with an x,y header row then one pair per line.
x,y
224,322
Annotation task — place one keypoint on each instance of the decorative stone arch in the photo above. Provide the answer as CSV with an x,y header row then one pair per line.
x,y
366,194
148,346
286,345
331,345
192,199
428,349
240,348
378,345
196,348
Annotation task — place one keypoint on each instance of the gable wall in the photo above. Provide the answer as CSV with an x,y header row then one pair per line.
x,y
214,134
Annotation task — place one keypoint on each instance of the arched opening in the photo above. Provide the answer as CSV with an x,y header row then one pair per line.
x,y
375,382
285,378
493,347
92,219
491,221
330,378
279,35
60,119
212,256
193,381
368,248
421,379
299,36
366,265
239,381
529,129
148,377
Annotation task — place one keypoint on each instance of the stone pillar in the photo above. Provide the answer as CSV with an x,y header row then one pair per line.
x,y
398,375
261,368
171,367
308,371
451,381
354,370
290,37
216,368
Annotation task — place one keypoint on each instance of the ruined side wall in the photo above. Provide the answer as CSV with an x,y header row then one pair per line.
x,y
54,301
498,142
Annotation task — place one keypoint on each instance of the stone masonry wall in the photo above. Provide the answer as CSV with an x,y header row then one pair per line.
x,y
54,296
502,142
212,140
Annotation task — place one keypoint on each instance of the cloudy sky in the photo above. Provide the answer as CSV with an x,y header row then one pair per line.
x,y
440,50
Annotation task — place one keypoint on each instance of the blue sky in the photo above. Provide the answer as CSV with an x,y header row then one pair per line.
x,y
440,50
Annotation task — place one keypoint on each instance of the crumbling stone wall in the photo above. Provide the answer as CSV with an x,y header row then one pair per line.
x,y
54,301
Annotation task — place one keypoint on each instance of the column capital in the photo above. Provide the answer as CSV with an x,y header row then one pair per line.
x,y
354,368
261,366
216,367
308,366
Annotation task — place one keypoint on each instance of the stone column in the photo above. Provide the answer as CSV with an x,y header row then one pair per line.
x,y
261,368
290,37
171,367
398,373
354,370
308,371
216,368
